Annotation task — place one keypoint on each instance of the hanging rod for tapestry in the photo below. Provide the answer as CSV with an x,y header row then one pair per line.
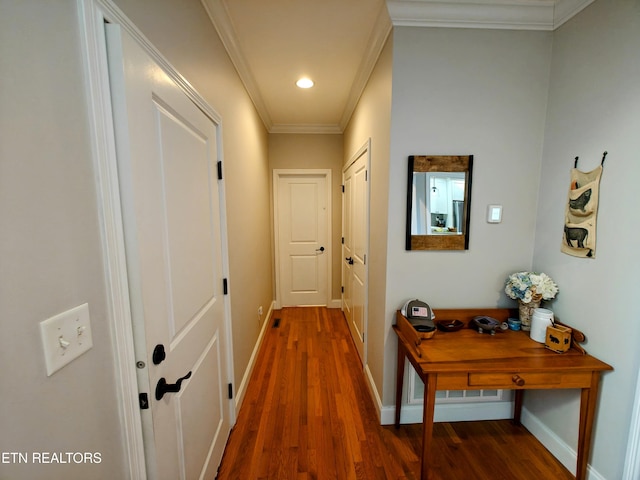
x,y
604,155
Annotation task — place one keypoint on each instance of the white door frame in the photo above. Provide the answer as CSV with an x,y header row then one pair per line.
x,y
92,15
364,150
281,172
632,460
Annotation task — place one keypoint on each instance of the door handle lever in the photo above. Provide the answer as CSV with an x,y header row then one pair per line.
x,y
350,260
321,249
163,387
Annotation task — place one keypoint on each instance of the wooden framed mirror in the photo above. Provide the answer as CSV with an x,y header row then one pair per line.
x,y
438,201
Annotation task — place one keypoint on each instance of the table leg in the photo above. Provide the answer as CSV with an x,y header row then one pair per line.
x,y
517,406
399,381
588,402
427,423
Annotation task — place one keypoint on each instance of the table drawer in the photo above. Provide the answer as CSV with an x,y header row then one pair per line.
x,y
515,380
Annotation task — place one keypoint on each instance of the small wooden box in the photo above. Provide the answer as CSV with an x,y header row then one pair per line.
x,y
558,338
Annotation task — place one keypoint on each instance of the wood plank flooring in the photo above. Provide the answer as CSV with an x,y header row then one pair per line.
x,y
308,414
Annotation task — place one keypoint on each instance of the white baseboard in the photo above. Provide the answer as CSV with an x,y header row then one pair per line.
x,y
335,303
242,388
558,447
373,391
450,412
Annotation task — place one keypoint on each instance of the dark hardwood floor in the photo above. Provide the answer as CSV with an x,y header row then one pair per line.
x,y
307,414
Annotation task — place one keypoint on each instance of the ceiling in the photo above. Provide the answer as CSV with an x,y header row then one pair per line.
x,y
337,42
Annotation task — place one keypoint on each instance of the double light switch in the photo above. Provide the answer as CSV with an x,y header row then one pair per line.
x,y
65,337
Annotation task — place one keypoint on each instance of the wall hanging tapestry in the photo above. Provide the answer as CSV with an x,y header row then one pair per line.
x,y
579,237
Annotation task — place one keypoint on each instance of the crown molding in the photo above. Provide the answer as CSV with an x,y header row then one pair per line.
x,y
221,20
501,14
375,44
324,129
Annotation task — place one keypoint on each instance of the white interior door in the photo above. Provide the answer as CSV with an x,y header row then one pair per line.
x,y
347,251
167,159
355,247
301,215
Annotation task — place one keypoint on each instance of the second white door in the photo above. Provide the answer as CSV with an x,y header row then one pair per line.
x,y
301,206
355,234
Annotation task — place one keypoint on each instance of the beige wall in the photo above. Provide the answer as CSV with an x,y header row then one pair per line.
x,y
372,120
50,250
183,33
309,151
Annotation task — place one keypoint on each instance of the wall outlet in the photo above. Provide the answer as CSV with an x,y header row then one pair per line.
x,y
260,310
65,337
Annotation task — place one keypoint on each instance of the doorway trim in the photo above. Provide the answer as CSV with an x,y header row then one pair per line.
x,y
92,15
277,174
632,460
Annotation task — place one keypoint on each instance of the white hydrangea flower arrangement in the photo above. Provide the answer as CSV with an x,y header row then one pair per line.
x,y
530,286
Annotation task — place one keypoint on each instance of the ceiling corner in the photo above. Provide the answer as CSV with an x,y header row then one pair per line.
x,y
567,9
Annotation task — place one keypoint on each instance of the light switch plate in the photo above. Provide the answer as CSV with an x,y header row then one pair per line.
x,y
494,213
65,337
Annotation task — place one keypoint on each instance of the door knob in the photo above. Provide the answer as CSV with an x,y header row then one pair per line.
x,y
321,249
163,387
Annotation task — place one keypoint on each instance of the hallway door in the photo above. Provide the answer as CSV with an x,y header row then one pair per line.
x,y
301,208
167,153
355,233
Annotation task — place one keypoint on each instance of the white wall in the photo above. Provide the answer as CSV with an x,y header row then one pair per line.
x,y
478,92
50,250
594,105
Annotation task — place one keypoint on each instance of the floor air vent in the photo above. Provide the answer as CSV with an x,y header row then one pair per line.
x,y
276,323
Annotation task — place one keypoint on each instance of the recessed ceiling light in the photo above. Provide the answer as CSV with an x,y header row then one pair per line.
x,y
305,83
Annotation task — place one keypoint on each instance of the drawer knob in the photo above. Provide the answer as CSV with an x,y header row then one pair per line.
x,y
518,380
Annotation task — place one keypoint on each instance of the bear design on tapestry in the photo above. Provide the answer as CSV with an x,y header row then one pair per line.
x,y
579,238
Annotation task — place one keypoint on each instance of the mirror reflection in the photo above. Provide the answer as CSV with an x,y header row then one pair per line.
x,y
438,197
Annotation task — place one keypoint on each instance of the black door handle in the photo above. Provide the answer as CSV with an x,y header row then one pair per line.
x,y
163,387
158,354
350,260
321,249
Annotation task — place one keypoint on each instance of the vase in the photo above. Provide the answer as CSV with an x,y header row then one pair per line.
x,y
526,310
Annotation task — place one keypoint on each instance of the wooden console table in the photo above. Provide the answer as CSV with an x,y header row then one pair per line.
x,y
468,360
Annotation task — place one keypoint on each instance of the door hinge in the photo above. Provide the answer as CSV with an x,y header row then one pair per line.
x,y
366,175
230,391
225,286
365,259
342,188
342,289
343,240
219,169
143,398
